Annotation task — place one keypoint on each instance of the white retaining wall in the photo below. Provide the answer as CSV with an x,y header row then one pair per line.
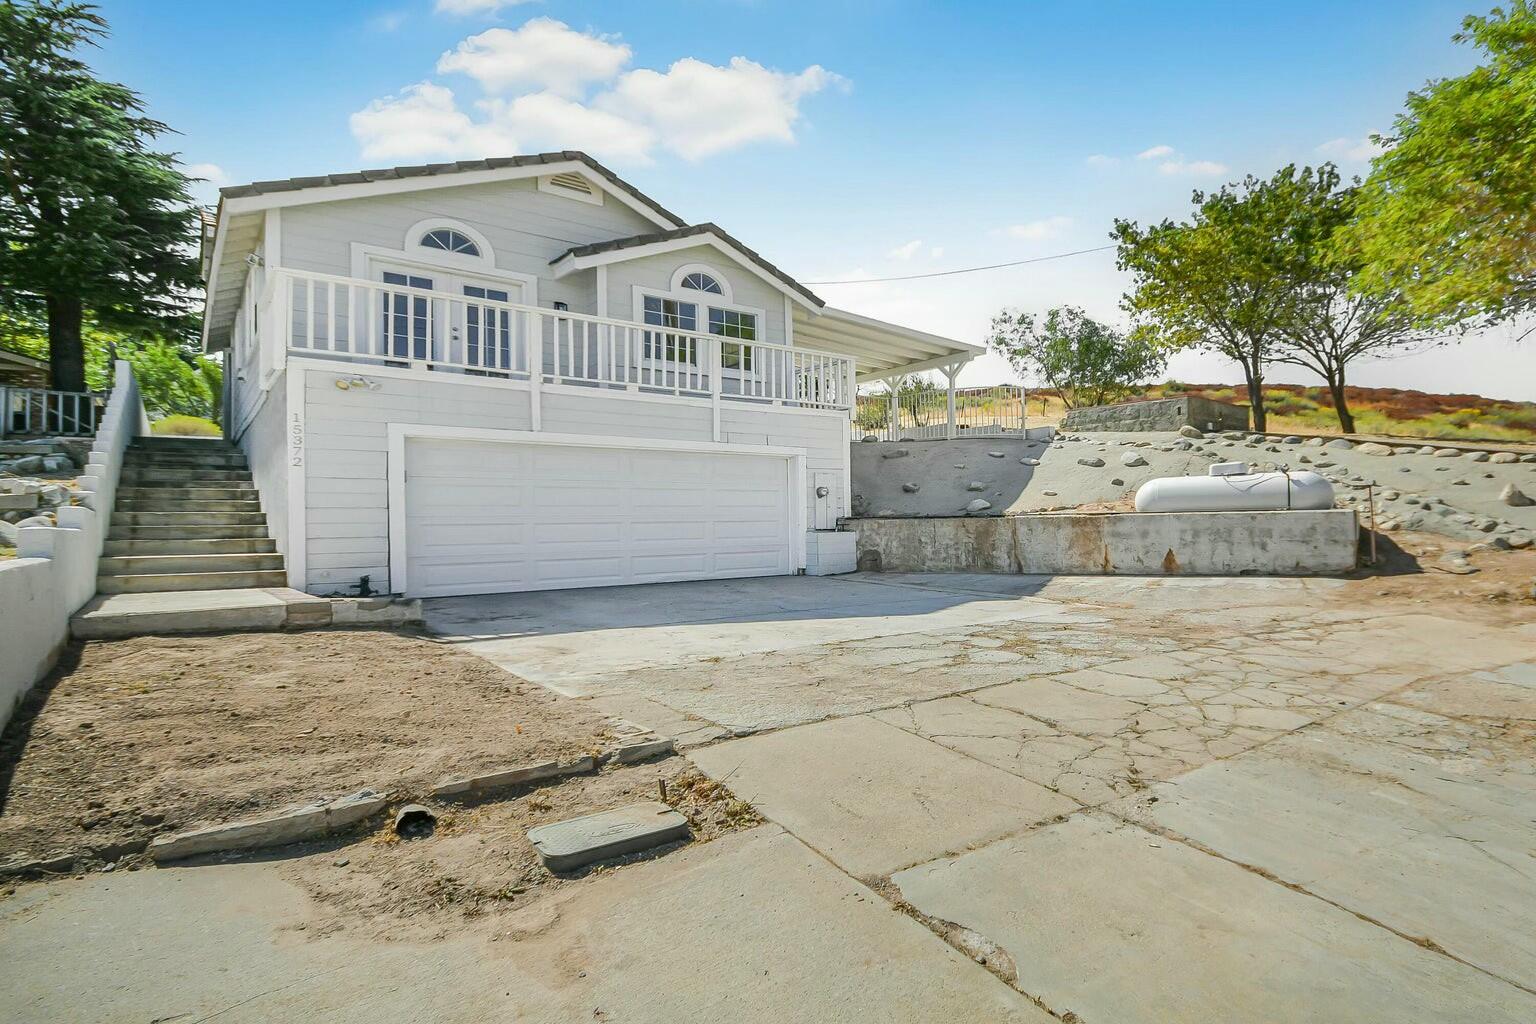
x,y
54,572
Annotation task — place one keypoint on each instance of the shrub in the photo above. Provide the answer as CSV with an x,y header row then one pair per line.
x,y
186,426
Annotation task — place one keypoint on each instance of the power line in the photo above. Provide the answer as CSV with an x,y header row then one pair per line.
x,y
964,270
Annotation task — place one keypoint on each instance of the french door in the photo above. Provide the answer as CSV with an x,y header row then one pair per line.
x,y
467,327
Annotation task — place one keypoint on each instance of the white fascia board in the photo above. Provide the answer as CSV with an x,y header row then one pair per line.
x,y
871,323
570,264
956,360
210,287
426,182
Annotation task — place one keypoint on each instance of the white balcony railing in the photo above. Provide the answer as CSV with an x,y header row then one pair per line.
x,y
348,318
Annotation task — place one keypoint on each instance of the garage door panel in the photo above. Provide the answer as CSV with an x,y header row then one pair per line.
x,y
490,518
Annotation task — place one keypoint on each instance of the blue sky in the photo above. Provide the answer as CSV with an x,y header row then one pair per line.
x,y
841,140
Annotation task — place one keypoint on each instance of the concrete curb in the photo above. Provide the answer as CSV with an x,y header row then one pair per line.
x,y
291,826
477,785
633,752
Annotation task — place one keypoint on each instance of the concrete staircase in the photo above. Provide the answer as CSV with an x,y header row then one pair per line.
x,y
188,518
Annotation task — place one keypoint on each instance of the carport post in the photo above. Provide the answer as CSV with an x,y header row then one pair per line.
x,y
894,383
950,373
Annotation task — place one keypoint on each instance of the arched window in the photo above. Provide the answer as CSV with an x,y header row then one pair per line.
x,y
449,240
703,283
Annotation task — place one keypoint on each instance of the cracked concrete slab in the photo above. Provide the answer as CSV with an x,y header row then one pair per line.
x,y
1113,923
1420,822
747,928
874,798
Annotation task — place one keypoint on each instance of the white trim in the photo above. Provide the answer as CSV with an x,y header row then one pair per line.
x,y
602,291
416,232
271,242
702,300
426,182
352,368
210,295
926,364
296,456
569,264
595,197
431,260
726,295
789,322
399,433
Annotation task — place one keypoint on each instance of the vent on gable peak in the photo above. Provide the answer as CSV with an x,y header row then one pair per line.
x,y
572,186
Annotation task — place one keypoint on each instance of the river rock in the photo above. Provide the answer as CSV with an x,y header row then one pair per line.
x,y
1478,456
1515,497
1372,448
1189,431
979,505
911,488
1132,459
1095,463
975,485
1340,444
1029,462
1503,458
997,455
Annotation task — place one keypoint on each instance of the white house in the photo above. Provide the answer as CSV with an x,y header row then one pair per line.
x,y
523,374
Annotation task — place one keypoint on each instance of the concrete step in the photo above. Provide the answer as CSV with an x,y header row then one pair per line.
x,y
187,505
197,443
189,546
169,581
143,565
112,616
133,475
177,533
196,464
137,493
188,518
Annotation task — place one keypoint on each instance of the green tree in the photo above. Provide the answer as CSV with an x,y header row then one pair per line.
x,y
1225,280
1331,323
95,223
1447,218
1084,362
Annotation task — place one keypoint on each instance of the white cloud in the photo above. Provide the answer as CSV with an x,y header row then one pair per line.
x,y
1040,230
1351,150
540,81
543,54
906,252
1155,153
1192,168
389,21
213,174
699,109
1101,160
423,120
543,120
475,6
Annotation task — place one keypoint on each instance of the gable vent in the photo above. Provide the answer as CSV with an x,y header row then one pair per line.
x,y
572,182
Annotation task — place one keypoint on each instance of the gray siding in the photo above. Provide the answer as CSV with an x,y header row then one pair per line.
x,y
655,272
526,228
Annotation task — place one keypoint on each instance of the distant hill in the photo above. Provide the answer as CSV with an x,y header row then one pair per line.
x,y
1385,411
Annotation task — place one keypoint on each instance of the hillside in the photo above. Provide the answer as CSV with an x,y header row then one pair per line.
x,y
1384,411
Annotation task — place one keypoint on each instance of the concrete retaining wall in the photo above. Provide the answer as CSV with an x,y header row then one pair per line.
x,y
1161,414
54,572
1131,544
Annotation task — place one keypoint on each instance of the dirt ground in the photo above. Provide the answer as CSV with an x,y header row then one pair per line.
x,y
130,739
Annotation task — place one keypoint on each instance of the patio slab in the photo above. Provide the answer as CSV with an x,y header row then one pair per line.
x,y
873,798
1113,923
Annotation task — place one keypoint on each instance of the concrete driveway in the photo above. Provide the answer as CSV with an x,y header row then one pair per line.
x,y
989,798
1136,800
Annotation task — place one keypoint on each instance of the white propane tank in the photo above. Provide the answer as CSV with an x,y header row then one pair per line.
x,y
1246,492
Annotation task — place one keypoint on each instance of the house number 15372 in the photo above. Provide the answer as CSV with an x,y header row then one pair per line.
x,y
296,440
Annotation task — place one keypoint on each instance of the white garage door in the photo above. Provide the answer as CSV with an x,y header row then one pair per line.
x,y
490,518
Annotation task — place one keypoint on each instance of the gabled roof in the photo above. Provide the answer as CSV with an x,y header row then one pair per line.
x,y
593,253
496,163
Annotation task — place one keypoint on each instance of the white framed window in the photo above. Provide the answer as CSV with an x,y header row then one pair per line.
x,y
679,315
450,240
702,282
738,325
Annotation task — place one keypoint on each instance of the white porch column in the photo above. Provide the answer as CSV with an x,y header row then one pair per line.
x,y
950,372
894,384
